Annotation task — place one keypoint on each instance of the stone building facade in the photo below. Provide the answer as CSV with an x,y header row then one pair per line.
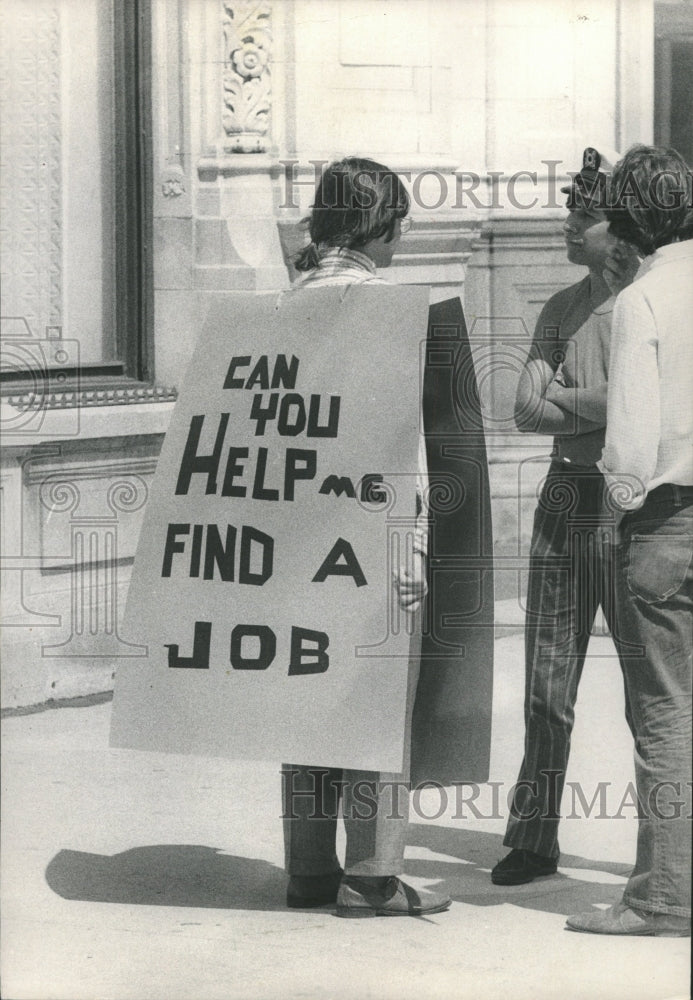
x,y
159,153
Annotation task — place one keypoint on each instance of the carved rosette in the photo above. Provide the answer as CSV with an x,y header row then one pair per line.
x,y
246,76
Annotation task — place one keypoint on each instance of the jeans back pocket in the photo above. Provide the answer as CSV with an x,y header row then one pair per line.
x,y
658,565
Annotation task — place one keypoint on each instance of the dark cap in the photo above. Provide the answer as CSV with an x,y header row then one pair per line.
x,y
588,186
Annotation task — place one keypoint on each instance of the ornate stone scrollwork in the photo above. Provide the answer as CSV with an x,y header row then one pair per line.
x,y
246,77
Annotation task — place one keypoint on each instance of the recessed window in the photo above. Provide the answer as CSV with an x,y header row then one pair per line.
x,y
75,191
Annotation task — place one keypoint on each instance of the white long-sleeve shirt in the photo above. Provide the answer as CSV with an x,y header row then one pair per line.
x,y
649,429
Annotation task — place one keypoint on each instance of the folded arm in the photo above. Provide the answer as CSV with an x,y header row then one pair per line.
x,y
536,412
587,403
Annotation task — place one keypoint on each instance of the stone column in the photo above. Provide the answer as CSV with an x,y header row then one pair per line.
x,y
236,240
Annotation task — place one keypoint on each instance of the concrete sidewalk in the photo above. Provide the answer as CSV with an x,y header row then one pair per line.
x,y
132,876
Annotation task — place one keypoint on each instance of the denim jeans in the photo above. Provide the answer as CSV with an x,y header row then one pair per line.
x,y
654,607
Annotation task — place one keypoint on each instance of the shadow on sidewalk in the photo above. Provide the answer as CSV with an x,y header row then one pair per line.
x,y
196,876
169,875
579,884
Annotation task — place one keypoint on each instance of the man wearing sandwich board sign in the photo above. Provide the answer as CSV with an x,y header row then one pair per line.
x,y
262,583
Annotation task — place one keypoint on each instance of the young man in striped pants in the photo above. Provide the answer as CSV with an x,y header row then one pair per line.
x,y
562,391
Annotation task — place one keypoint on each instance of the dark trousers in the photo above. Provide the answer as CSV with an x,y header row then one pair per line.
x,y
374,807
569,578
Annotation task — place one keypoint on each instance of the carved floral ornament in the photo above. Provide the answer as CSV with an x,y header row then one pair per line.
x,y
173,183
246,78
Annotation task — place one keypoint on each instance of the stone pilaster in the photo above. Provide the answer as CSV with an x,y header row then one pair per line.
x,y
235,235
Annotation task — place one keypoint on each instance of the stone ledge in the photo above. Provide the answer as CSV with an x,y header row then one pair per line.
x,y
88,423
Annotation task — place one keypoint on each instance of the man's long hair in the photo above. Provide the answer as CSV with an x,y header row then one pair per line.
x,y
651,198
357,200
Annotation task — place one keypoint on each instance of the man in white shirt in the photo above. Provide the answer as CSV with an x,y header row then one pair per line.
x,y
648,467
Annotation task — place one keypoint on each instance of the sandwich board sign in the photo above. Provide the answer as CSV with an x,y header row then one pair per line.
x,y
262,585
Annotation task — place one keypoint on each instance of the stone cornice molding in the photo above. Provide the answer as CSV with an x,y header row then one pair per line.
x,y
73,428
81,466
92,397
236,165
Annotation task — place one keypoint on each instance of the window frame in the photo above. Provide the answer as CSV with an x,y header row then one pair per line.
x,y
133,326
134,335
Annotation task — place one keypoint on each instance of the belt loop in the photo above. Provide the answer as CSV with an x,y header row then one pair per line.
x,y
677,494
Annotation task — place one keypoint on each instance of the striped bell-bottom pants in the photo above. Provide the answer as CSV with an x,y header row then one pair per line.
x,y
569,578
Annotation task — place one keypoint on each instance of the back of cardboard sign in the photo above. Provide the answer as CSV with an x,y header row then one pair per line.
x,y
451,728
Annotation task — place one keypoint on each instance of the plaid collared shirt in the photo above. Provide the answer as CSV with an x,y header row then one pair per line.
x,y
341,266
